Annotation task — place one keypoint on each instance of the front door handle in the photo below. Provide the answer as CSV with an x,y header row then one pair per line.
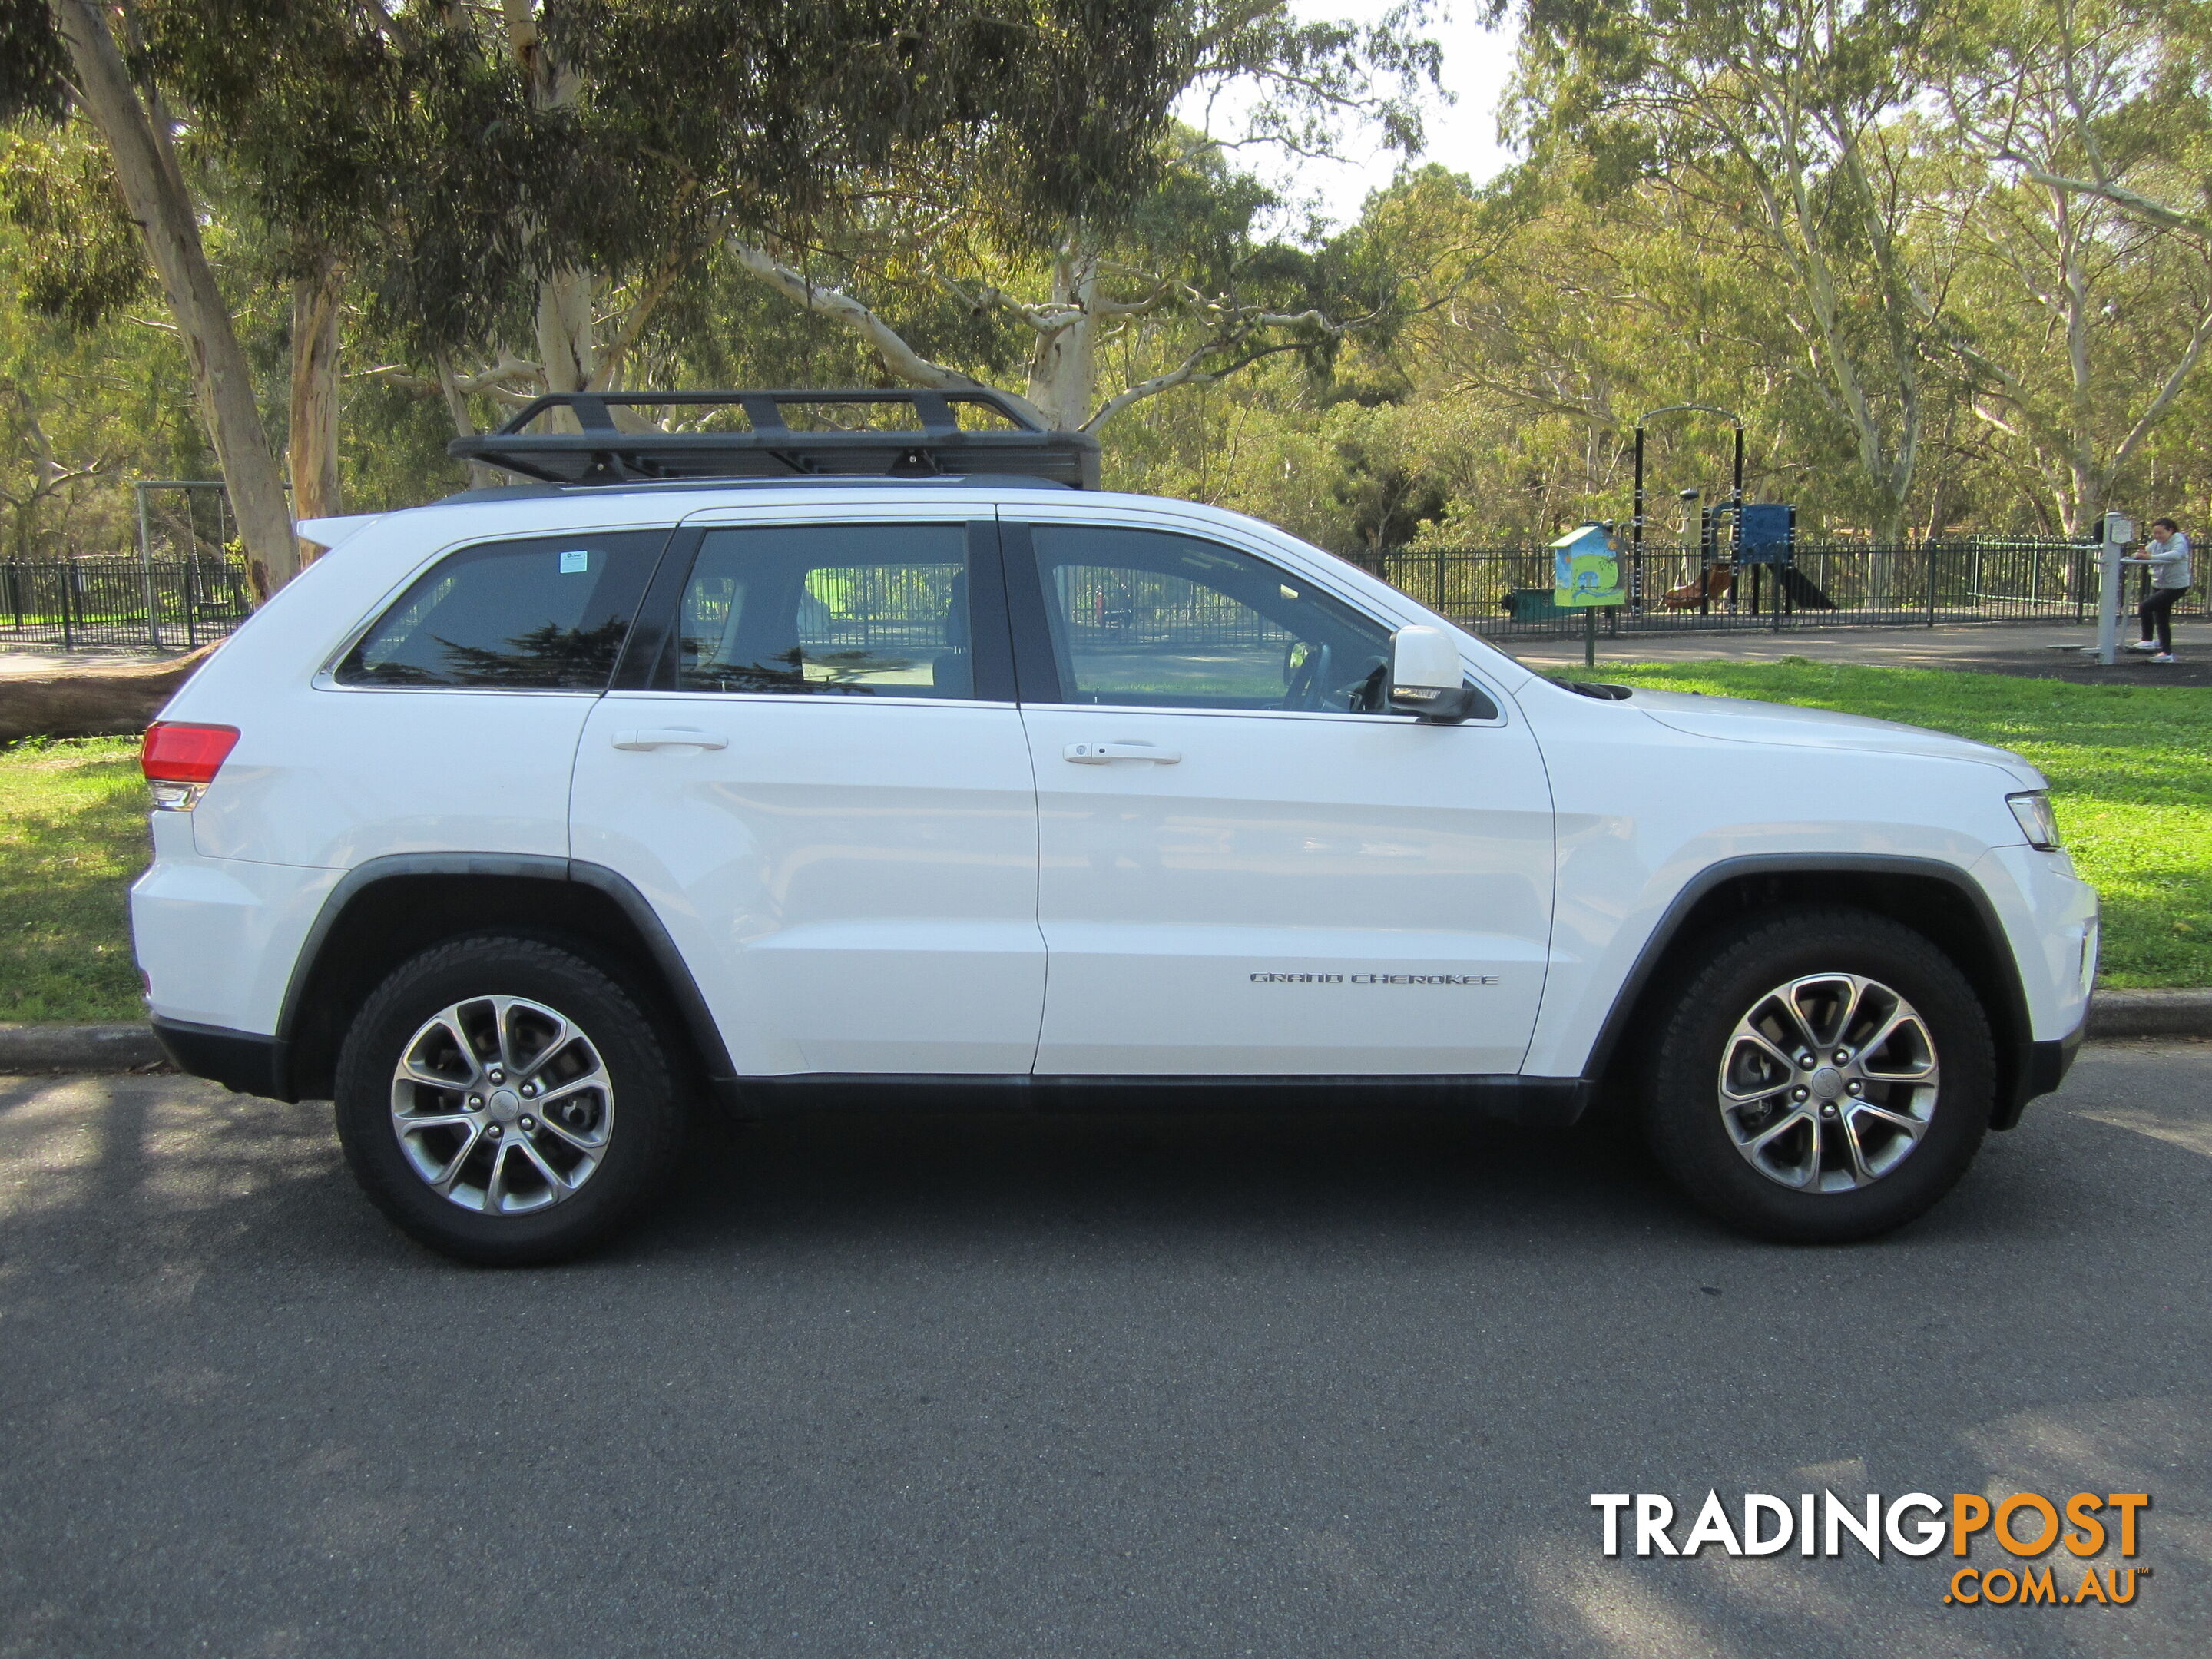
x,y
1099,754
670,737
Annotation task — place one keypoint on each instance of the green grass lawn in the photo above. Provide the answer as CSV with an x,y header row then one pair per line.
x,y
2131,769
72,836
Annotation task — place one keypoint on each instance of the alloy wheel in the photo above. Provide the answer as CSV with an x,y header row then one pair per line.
x,y
1828,1083
503,1105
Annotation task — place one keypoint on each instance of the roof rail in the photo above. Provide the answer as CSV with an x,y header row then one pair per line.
x,y
602,451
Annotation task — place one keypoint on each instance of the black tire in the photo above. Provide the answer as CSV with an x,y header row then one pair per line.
x,y
642,1127
1696,1141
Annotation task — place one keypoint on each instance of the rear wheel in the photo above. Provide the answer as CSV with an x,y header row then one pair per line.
x,y
505,1102
1823,1076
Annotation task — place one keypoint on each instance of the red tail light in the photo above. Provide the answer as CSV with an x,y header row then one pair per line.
x,y
177,753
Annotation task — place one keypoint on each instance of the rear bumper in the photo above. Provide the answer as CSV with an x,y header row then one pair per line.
x,y
244,1062
2043,1067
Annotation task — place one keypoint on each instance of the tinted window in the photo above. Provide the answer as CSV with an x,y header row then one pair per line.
x,y
828,611
1144,618
548,614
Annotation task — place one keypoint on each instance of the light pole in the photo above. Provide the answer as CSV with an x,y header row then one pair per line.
x,y
1636,518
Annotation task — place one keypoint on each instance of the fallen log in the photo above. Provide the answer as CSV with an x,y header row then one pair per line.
x,y
109,700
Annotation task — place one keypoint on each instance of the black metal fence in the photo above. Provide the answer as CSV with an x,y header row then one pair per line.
x,y
176,601
121,599
1507,589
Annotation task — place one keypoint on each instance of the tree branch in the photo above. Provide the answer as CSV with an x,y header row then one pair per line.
x,y
493,379
1046,319
1192,370
2166,393
2157,212
897,357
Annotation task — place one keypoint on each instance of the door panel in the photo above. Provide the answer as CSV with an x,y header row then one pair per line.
x,y
1295,895
848,854
1299,891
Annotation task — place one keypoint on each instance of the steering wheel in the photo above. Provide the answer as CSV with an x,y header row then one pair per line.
x,y
1307,679
1369,694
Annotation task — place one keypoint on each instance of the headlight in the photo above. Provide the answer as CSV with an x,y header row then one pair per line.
x,y
2037,821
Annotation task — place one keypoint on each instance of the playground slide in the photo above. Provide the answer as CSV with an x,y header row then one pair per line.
x,y
1804,594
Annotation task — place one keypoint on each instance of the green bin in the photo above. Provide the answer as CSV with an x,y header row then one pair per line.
x,y
1531,604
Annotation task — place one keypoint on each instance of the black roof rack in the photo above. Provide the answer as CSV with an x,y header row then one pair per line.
x,y
603,452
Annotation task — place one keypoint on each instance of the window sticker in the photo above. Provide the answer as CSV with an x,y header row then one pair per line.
x,y
576,562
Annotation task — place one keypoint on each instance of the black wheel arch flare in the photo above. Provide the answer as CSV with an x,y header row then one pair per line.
x,y
1937,899
307,1029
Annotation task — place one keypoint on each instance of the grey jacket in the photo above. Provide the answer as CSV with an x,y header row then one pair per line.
x,y
2169,560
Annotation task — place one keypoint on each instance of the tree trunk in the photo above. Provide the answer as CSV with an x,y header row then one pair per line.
x,y
2084,499
1064,367
314,449
153,188
568,343
481,477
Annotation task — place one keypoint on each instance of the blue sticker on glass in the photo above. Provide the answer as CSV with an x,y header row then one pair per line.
x,y
575,562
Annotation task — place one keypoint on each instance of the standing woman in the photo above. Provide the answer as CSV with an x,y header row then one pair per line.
x,y
2166,553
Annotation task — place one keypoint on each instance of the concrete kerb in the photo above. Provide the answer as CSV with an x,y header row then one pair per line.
x,y
2151,1013
42,1048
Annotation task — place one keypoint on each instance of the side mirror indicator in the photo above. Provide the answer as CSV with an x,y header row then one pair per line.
x,y
1426,679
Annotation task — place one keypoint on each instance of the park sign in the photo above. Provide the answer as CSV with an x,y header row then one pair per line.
x,y
1585,570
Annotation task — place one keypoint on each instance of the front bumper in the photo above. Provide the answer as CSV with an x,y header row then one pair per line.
x,y
2043,1067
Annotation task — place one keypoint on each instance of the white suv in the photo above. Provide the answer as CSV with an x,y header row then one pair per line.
x,y
519,823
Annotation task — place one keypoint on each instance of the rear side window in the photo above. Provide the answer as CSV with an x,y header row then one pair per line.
x,y
549,613
839,610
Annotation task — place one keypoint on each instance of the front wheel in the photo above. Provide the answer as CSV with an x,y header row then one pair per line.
x,y
504,1102
1822,1076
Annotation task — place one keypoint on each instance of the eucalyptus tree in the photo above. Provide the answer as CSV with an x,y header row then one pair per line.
x,y
2075,136
2171,42
294,107
1779,115
67,56
1177,253
573,167
515,189
1569,306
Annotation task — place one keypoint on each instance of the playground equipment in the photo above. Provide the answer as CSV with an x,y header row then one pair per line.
x,y
2118,533
1636,517
1763,549
1715,582
1765,539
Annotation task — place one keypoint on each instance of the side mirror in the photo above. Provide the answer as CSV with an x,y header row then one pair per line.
x,y
1426,678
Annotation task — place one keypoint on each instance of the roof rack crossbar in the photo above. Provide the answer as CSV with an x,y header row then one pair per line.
x,y
592,413
600,451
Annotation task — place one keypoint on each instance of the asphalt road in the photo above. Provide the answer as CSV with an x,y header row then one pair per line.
x,y
994,1386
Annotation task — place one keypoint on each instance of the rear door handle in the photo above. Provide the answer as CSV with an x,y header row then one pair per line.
x,y
670,737
1100,754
